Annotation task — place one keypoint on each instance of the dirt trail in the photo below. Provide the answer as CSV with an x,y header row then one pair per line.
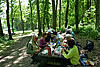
x,y
16,56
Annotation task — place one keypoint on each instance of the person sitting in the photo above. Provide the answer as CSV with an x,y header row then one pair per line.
x,y
42,42
47,39
69,31
33,49
71,56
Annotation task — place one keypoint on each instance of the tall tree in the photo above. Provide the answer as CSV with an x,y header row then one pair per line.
x,y
88,5
59,13
76,15
82,10
54,14
38,15
44,15
97,24
47,13
66,16
8,24
21,17
1,30
12,17
56,11
32,25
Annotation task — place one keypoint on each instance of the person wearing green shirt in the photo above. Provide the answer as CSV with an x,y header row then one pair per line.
x,y
71,56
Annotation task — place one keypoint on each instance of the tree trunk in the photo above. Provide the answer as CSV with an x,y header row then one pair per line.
x,y
21,16
66,16
38,15
54,14
8,24
88,4
82,10
1,30
97,24
32,25
76,15
47,13
60,14
44,16
12,17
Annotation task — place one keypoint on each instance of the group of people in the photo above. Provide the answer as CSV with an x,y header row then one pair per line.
x,y
71,56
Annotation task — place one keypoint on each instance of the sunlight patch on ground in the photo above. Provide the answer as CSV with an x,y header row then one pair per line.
x,y
18,60
9,57
1,51
8,65
22,48
2,60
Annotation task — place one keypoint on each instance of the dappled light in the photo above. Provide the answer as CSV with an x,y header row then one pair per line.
x,y
49,29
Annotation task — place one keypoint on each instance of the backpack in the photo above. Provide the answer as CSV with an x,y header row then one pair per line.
x,y
89,45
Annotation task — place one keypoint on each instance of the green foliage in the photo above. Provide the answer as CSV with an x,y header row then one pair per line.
x,y
89,31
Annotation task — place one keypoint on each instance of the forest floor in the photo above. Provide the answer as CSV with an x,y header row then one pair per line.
x,y
16,56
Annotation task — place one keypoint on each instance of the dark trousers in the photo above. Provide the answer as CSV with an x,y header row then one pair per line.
x,y
65,62
40,59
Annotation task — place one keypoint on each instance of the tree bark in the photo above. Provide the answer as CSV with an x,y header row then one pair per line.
x,y
60,14
54,14
32,25
76,15
1,30
21,16
44,16
82,10
8,24
66,16
47,13
38,15
12,17
97,24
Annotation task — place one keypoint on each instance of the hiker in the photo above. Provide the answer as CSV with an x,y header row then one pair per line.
x,y
71,56
33,49
42,42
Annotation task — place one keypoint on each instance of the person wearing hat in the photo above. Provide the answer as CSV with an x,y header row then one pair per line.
x,y
33,49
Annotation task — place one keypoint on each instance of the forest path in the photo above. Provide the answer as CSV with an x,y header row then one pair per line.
x,y
16,56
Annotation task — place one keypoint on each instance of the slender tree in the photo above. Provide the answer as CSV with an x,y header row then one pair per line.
x,y
54,14
1,30
97,24
21,17
44,15
38,15
82,10
47,13
12,18
8,24
60,14
66,16
32,25
76,15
